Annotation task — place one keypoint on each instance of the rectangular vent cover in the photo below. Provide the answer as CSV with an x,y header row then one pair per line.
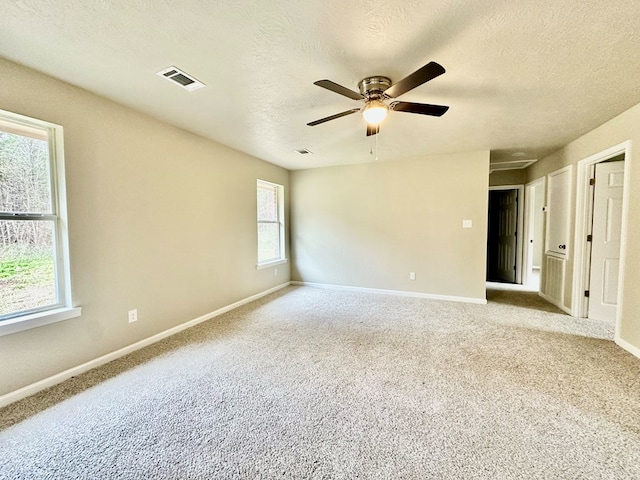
x,y
180,78
511,165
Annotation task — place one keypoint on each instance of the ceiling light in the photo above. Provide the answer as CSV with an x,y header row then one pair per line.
x,y
375,112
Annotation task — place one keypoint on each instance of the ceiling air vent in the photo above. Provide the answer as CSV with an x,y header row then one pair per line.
x,y
304,151
180,78
511,165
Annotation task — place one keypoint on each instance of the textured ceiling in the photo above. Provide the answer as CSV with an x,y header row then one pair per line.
x,y
521,76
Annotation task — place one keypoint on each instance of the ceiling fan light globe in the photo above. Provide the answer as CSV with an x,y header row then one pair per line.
x,y
375,112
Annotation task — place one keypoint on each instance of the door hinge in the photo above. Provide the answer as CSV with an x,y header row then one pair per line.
x,y
586,293
592,181
589,238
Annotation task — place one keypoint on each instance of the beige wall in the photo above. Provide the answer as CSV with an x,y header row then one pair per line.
x,y
370,225
160,220
625,126
508,177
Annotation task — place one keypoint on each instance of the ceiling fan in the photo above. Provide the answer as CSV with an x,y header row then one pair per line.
x,y
375,90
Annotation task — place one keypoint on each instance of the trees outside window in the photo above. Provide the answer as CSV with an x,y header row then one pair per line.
x,y
33,260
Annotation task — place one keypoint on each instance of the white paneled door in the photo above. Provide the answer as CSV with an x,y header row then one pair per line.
x,y
605,249
559,204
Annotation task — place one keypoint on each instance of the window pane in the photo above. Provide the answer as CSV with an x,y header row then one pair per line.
x,y
24,174
268,242
267,204
27,265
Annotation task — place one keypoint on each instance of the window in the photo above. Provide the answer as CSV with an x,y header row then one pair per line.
x,y
34,264
270,224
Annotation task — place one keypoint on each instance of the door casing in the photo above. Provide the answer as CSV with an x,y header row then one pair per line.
x,y
520,227
539,187
581,252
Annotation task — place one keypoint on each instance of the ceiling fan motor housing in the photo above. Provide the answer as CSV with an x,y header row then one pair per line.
x,y
372,88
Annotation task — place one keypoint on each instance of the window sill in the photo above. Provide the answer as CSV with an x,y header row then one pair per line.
x,y
26,322
273,263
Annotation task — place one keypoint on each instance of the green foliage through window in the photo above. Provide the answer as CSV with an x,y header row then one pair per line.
x,y
27,220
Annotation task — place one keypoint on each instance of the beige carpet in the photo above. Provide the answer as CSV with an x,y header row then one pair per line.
x,y
322,384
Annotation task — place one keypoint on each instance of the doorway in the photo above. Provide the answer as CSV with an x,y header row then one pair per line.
x,y
504,248
601,210
534,203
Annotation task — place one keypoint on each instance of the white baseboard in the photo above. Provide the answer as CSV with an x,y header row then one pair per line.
x,y
556,303
401,293
628,347
29,390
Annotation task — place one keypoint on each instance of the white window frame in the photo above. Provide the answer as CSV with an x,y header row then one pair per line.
x,y
279,189
64,309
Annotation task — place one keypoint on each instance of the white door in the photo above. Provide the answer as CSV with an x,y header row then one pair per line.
x,y
605,248
558,203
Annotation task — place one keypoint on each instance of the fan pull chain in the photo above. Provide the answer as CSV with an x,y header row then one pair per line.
x,y
374,146
376,159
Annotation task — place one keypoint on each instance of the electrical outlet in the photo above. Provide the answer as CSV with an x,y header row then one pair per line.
x,y
275,271
133,315
412,275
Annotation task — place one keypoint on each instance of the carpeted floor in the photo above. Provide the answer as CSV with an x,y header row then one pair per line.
x,y
324,384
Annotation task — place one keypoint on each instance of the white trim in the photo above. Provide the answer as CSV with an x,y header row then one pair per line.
x,y
33,320
62,229
400,293
628,347
582,225
519,227
272,263
556,303
34,388
623,239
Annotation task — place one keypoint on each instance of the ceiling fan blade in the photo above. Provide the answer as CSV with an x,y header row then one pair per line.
x,y
334,87
430,71
372,130
421,108
333,117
